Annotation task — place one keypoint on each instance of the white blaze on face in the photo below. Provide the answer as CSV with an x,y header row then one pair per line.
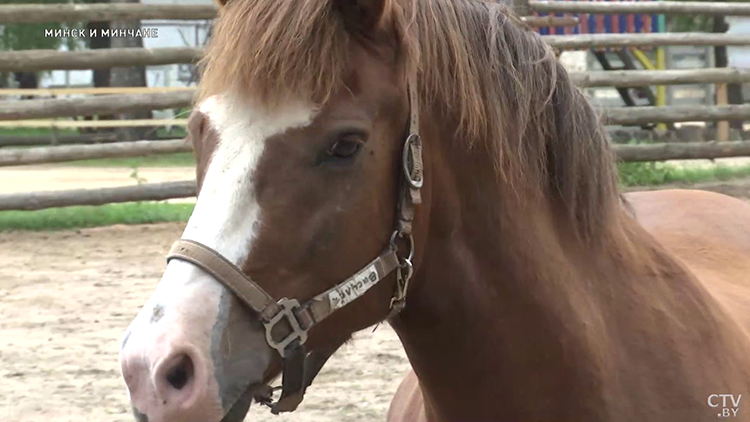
x,y
226,218
226,213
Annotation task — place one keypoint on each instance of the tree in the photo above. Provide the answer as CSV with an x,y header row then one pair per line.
x,y
32,37
29,36
130,76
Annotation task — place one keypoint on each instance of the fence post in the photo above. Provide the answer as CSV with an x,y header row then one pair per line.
x,y
722,99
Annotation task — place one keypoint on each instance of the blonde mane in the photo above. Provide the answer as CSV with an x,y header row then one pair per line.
x,y
484,68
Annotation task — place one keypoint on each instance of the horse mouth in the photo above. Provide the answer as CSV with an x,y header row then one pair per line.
x,y
241,406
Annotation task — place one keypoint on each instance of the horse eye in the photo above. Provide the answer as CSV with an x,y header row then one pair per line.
x,y
346,148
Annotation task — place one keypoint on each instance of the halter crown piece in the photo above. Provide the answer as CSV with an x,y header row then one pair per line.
x,y
286,321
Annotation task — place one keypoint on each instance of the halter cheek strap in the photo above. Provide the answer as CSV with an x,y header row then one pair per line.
x,y
286,321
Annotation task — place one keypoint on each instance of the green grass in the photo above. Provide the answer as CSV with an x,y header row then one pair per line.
x,y
653,174
32,131
94,216
176,133
181,159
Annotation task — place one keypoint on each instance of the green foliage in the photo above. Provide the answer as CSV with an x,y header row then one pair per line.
x,y
95,216
658,173
689,23
34,131
29,36
137,177
641,174
694,23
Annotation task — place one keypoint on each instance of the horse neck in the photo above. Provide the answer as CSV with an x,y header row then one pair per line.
x,y
499,290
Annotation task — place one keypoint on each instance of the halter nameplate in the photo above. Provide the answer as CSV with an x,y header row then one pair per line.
x,y
342,295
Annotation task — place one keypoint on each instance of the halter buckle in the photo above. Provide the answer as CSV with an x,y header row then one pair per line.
x,y
398,301
287,307
404,272
412,161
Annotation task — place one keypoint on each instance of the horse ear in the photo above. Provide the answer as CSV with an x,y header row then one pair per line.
x,y
221,3
361,15
197,128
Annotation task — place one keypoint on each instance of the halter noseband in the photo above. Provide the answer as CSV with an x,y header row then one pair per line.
x,y
286,321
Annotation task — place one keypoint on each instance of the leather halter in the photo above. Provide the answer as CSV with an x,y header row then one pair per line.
x,y
286,321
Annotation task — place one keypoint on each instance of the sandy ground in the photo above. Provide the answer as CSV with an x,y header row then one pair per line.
x,y
56,177
66,297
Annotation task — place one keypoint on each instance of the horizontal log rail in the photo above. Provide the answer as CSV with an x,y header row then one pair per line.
x,y
549,21
634,78
33,13
38,60
37,13
682,151
104,90
674,114
67,198
77,124
113,104
586,41
59,154
610,116
56,139
622,7
101,105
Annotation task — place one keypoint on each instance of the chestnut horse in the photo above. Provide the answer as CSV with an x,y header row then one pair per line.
x,y
356,156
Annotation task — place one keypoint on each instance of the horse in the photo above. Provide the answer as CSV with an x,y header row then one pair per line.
x,y
430,163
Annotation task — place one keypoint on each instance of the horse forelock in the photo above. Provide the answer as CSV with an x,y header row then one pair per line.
x,y
276,50
499,80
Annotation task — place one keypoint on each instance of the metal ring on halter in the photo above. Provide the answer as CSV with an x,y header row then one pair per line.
x,y
409,267
416,184
408,237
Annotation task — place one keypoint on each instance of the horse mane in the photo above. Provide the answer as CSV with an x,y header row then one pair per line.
x,y
483,66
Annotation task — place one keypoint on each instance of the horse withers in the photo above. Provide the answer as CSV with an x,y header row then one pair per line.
x,y
358,156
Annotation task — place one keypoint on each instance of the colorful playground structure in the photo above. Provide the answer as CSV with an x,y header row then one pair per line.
x,y
650,59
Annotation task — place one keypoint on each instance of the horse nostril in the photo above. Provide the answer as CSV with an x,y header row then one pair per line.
x,y
181,374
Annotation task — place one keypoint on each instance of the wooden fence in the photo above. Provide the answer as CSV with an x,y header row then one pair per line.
x,y
33,13
135,193
108,90
113,104
651,8
119,100
57,139
187,189
38,60
59,154
626,153
100,105
78,124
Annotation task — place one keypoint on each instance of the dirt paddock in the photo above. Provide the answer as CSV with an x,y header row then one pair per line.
x,y
66,297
